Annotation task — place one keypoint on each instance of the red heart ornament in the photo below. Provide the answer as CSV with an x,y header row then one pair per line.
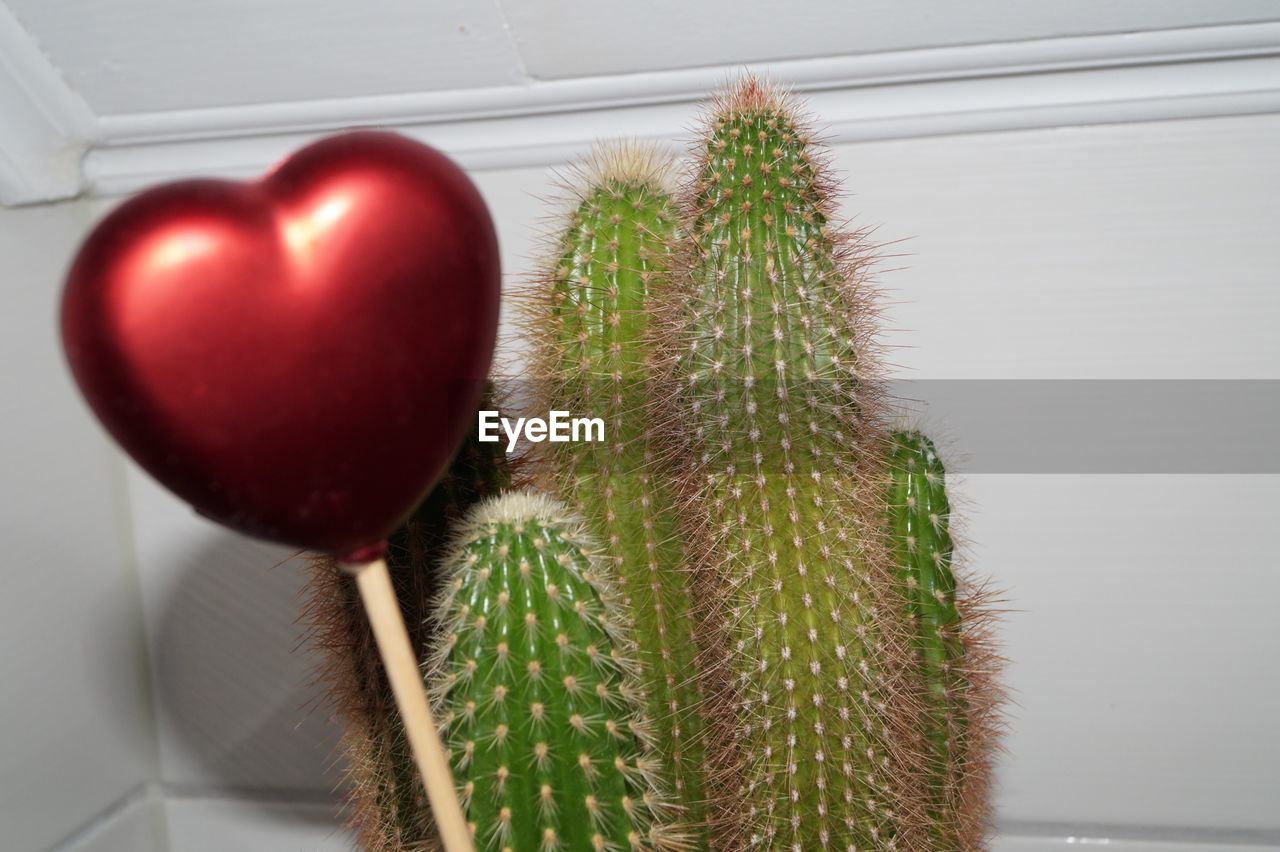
x,y
297,357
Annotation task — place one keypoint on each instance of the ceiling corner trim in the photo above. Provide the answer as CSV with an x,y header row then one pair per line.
x,y
1131,77
46,127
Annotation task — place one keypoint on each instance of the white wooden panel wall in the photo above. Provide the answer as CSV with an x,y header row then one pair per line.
x,y
1141,642
1142,650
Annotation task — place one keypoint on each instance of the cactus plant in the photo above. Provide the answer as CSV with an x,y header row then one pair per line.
x,y
534,688
779,395
388,811
952,644
590,317
770,648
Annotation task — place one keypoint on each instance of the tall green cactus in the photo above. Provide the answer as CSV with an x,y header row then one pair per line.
x,y
534,688
591,317
779,394
953,650
388,810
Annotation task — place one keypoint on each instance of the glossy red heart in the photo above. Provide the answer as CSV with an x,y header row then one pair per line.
x,y
297,357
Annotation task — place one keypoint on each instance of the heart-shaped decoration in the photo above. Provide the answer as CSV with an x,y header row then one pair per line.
x,y
297,357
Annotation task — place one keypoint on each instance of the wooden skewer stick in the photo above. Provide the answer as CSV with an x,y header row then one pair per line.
x,y
374,583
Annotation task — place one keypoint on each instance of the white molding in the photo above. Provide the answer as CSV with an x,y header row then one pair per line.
x,y
1147,76
1198,72
44,125
984,61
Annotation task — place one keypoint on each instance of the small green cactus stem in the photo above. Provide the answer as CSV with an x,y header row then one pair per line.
x,y
957,695
542,717
920,518
779,394
388,810
591,316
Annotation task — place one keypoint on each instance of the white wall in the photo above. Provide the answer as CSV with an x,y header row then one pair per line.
x,y
75,719
1140,635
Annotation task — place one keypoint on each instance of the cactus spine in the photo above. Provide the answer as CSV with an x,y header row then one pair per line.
x,y
953,649
533,684
591,316
388,807
779,394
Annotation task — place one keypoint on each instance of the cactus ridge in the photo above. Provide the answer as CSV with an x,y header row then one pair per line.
x,y
590,315
780,397
387,807
954,647
535,688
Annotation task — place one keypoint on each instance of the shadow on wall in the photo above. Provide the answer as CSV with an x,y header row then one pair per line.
x,y
234,678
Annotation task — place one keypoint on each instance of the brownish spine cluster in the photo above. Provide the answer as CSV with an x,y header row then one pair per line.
x,y
777,409
387,803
